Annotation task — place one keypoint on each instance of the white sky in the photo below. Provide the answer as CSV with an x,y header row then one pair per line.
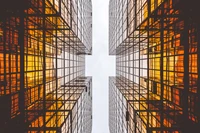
x,y
100,65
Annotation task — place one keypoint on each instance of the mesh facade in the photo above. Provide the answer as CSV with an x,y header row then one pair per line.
x,y
43,44
156,88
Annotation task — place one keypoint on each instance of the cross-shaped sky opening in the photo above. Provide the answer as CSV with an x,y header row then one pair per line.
x,y
100,65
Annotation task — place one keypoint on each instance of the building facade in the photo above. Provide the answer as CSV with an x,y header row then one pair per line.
x,y
157,49
43,87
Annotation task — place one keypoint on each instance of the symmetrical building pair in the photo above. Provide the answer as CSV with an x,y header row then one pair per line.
x,y
43,88
157,83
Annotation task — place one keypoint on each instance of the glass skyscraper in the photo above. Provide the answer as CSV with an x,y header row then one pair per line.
x,y
156,88
43,87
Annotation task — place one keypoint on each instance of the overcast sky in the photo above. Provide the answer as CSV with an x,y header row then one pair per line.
x,y
100,65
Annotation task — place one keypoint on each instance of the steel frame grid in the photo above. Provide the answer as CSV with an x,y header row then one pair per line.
x,y
53,54
159,56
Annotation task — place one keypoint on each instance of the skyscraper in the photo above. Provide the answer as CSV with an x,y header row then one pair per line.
x,y
156,88
43,87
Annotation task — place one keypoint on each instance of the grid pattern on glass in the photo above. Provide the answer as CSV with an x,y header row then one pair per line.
x,y
43,44
158,61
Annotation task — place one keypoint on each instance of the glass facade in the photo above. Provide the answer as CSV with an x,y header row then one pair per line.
x,y
43,87
156,88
